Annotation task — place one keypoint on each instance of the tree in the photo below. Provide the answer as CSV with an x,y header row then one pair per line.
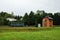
x,y
56,18
50,15
43,13
3,16
37,19
31,18
25,19
18,18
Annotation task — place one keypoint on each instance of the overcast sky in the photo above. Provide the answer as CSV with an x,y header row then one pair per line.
x,y
20,7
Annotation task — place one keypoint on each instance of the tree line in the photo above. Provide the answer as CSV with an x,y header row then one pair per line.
x,y
30,19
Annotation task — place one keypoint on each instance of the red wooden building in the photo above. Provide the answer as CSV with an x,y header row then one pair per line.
x,y
47,21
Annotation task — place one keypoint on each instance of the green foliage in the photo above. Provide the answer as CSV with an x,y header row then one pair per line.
x,y
25,19
33,19
19,18
56,19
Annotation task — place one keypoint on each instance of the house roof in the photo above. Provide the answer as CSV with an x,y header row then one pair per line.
x,y
49,17
11,19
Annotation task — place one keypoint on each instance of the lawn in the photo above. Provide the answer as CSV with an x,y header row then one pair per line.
x,y
46,34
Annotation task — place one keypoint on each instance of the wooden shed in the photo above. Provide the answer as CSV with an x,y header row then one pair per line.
x,y
47,21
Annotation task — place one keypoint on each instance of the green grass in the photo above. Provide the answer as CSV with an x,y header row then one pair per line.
x,y
46,34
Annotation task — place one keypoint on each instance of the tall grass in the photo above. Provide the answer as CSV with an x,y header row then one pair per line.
x,y
29,33
18,29
49,34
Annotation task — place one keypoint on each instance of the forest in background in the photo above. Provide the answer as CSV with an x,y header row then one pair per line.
x,y
30,19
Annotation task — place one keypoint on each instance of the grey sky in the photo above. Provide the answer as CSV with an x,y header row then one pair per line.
x,y
20,7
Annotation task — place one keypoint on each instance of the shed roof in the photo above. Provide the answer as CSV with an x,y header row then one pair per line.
x,y
11,19
49,17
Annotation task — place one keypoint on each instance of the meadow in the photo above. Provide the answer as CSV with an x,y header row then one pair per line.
x,y
29,33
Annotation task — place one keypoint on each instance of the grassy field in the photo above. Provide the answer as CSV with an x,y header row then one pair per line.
x,y
29,33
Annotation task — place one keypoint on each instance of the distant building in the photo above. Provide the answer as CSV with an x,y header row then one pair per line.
x,y
14,23
47,21
11,19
